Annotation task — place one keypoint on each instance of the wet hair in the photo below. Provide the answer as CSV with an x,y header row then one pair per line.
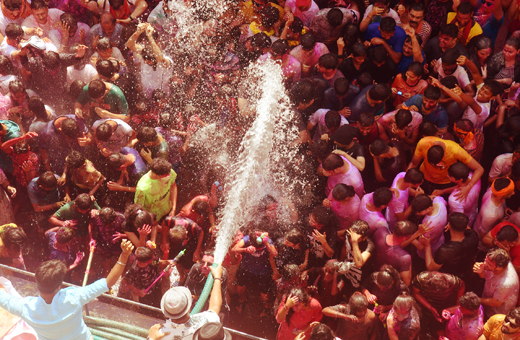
x,y
360,227
450,30
104,131
135,217
379,92
103,44
387,24
322,215
160,166
200,207
507,233
427,129
466,9
403,118
335,17
450,82
513,42
378,54
357,303
342,191
12,5
341,86
49,275
107,215
147,134
47,180
332,119
75,160
366,120
115,160
290,271
280,47
458,221
69,19
435,154
308,40
96,89
64,235
494,86
296,26
404,228
514,314
364,79
501,183
417,6
459,171
450,56
414,176
499,256
359,50
51,60
6,66
303,297
38,4
328,61
13,237
143,254
470,301
421,203
387,276
302,92
379,147
405,301
70,128
16,86
269,16
83,202
76,87
14,31
36,105
295,236
382,196
332,162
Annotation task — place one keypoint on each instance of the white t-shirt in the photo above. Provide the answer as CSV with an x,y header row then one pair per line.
x,y
388,118
318,120
155,79
468,206
7,50
309,60
503,287
345,212
186,330
87,74
502,165
398,204
460,73
375,219
4,21
477,120
438,222
392,14
120,136
306,16
116,53
49,28
352,177
488,217
4,83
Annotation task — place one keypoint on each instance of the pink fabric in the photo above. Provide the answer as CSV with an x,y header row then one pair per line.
x,y
299,320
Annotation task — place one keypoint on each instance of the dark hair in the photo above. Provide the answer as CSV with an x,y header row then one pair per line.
x,y
360,227
404,228
450,30
107,215
421,203
280,47
408,39
357,303
427,129
450,82
332,119
51,60
14,31
387,24
364,79
16,86
76,87
507,233
387,276
450,56
160,166
378,54
143,254
70,128
69,19
458,221
115,160
501,183
36,105
6,66
379,92
470,301
64,235
459,171
104,131
13,237
135,217
379,147
366,120
382,196
303,297
328,61
269,16
514,42
75,160
515,315
295,236
403,118
105,68
341,86
494,86
200,207
297,25
38,4
499,256
49,275
335,17
359,50
342,191
322,215
416,68
417,6
12,5
147,134
83,202
435,154
96,89
47,180
332,162
261,40
307,40
465,8
322,332
414,176
116,4
302,92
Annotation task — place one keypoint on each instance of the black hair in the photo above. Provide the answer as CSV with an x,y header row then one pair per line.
x,y
47,180
69,19
359,50
328,61
341,86
302,92
387,24
342,191
507,233
105,68
160,166
37,106
404,228
332,162
104,131
494,86
450,30
308,40
416,68
6,66
465,8
96,89
470,301
76,87
458,221
295,236
322,215
366,120
382,196
360,227
13,237
269,16
417,6
432,93
501,183
450,56
38,4
280,47
147,134
414,176
70,128
83,202
379,92
107,215
403,118
332,119
75,160
12,5
14,31
335,17
297,25
421,203
143,254
103,44
379,147
435,154
459,171
115,160
450,82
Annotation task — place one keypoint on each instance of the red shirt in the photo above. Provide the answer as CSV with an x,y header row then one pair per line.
x,y
513,252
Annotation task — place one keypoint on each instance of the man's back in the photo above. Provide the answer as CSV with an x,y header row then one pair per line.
x,y
185,331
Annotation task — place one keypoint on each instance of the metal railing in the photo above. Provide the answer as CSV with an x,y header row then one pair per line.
x,y
129,303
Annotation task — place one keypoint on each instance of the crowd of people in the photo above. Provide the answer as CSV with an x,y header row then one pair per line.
x,y
407,226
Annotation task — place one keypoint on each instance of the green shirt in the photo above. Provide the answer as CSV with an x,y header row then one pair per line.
x,y
114,101
154,194
70,212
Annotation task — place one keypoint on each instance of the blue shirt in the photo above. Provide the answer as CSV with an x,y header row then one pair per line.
x,y
396,42
62,319
438,116
39,196
406,61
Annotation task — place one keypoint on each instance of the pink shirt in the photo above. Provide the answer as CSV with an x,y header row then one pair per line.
x,y
375,219
291,67
346,212
468,206
438,222
488,216
398,204
352,177
309,59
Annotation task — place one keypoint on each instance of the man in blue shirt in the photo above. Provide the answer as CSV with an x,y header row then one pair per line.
x,y
389,35
56,313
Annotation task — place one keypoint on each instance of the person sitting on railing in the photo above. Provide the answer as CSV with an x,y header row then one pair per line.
x,y
57,313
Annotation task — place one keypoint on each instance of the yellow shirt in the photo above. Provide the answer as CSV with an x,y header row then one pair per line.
x,y
246,11
473,32
453,152
493,328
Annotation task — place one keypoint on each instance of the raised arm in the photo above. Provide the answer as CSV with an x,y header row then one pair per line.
x,y
119,267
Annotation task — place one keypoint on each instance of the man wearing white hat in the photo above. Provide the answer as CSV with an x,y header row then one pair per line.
x,y
176,305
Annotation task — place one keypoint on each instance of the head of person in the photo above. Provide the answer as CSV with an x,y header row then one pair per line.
x,y
71,21
294,238
40,11
303,299
379,147
144,256
463,129
511,323
497,260
382,5
387,27
361,228
364,79
328,63
108,23
75,160
402,119
322,332
76,88
269,16
484,48
64,235
37,108
448,36
107,215
366,123
104,131
359,52
14,33
104,48
200,207
331,164
176,304
458,172
403,306
404,228
408,45
178,234
449,61
13,8
17,91
83,203
469,304
416,14
97,89
503,188
344,135
511,48
160,167
464,14
343,193
258,5
358,305
279,48
332,120
147,135
49,276
341,87
413,74
13,239
335,17
382,198
47,181
387,278
435,156
422,205
508,236
431,97
6,66
116,4
308,42
320,217
295,30
70,128
302,94
105,68
414,177
489,91
379,93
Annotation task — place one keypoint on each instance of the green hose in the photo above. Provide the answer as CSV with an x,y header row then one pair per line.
x,y
205,293
118,332
97,322
95,337
107,335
